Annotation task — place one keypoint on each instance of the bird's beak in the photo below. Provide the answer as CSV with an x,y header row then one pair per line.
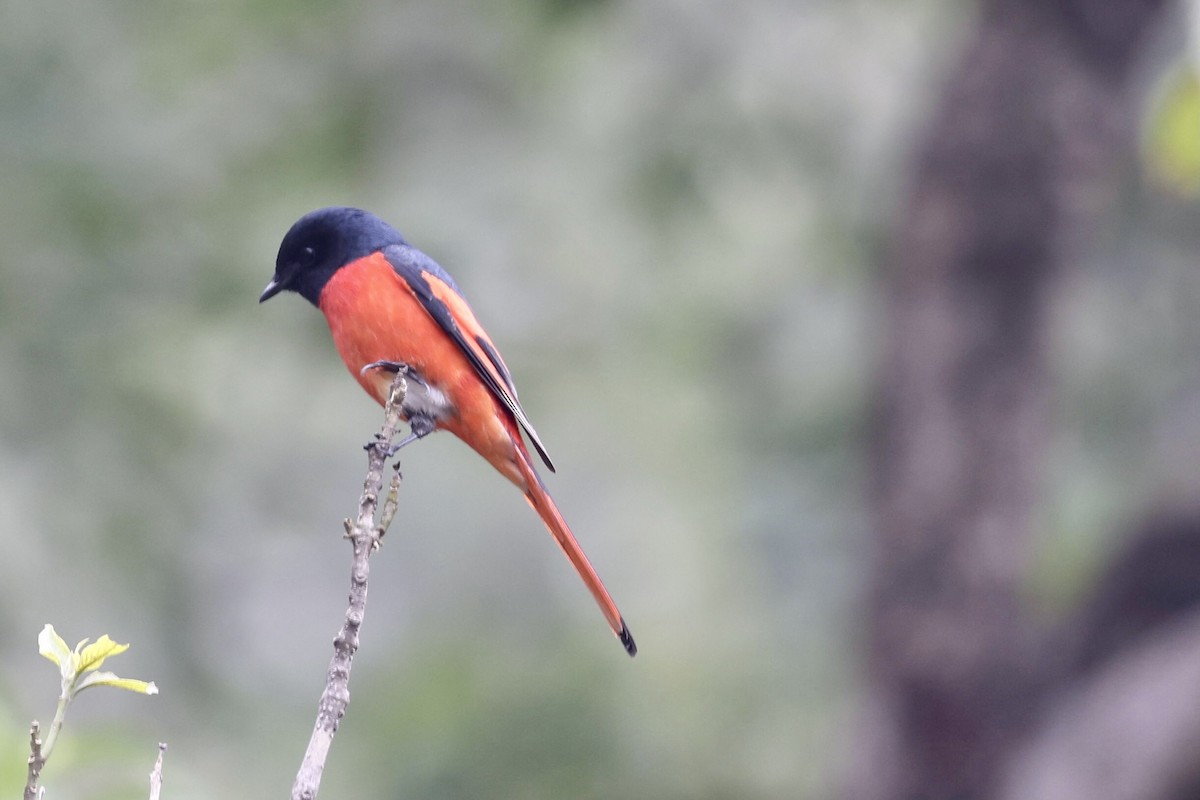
x,y
276,286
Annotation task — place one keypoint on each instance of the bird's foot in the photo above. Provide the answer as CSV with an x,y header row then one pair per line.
x,y
421,426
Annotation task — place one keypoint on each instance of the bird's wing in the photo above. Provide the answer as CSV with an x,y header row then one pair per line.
x,y
438,294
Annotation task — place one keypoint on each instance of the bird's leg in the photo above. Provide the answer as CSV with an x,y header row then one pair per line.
x,y
421,426
394,367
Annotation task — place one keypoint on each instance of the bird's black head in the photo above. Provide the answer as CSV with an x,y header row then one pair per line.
x,y
321,243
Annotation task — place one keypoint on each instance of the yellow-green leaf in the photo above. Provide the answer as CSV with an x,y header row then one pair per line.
x,y
1173,134
92,656
109,679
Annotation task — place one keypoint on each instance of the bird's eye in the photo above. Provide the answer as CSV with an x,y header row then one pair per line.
x,y
308,257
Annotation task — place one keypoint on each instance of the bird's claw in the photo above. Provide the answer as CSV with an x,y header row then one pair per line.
x,y
381,446
393,367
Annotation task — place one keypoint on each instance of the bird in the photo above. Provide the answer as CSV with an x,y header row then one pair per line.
x,y
391,307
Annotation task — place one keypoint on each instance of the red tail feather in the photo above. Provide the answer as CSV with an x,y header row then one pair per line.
x,y
543,504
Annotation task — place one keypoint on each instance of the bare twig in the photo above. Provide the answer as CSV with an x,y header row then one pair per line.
x,y
364,534
156,776
36,762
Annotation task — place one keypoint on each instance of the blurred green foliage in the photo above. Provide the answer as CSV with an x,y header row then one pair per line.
x,y
667,214
1173,133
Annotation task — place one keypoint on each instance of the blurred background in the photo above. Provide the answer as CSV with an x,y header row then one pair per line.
x,y
722,246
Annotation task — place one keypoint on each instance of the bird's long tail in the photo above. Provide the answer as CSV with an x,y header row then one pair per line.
x,y
537,496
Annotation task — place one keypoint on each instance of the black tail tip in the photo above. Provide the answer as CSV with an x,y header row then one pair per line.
x,y
627,640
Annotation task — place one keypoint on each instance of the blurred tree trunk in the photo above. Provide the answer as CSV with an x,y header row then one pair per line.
x,y
1012,169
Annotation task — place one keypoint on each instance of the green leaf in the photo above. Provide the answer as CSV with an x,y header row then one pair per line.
x,y
1172,145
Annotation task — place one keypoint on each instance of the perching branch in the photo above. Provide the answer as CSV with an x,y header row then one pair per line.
x,y
364,533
